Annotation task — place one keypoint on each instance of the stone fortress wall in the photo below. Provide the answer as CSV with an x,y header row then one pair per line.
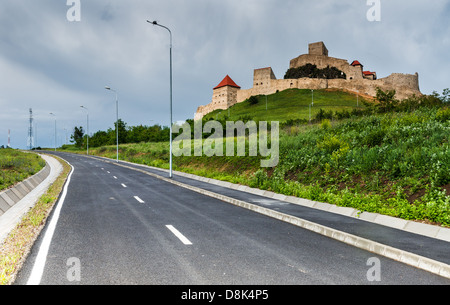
x,y
357,80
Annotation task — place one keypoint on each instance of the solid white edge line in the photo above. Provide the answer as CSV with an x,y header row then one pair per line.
x,y
139,199
180,236
39,265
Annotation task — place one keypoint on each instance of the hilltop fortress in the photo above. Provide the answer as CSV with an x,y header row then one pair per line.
x,y
354,79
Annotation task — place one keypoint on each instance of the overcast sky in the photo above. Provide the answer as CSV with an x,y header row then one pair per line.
x,y
51,64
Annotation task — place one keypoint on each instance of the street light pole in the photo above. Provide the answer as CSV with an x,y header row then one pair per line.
x,y
52,114
87,129
312,104
309,113
171,90
117,121
357,98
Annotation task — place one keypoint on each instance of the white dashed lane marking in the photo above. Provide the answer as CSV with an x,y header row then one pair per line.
x,y
139,199
180,236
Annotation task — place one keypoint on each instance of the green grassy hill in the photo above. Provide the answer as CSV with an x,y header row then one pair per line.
x,y
291,104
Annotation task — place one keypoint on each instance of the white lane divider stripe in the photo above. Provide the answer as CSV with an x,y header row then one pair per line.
x,y
124,185
180,236
139,199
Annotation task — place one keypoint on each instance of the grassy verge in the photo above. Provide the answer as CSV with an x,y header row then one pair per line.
x,y
16,166
17,245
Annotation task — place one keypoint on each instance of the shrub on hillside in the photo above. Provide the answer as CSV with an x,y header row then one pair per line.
x,y
311,71
253,100
443,115
325,124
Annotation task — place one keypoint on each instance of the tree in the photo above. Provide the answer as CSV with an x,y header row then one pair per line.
x,y
138,134
100,138
311,71
446,95
77,136
133,134
386,100
123,133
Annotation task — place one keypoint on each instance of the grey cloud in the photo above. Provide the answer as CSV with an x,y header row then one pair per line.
x,y
53,65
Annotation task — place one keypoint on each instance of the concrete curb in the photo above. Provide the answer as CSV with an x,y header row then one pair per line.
x,y
25,195
405,257
388,221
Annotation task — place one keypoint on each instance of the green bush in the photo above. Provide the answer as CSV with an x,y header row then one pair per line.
x,y
322,115
443,115
253,100
374,138
325,124
331,144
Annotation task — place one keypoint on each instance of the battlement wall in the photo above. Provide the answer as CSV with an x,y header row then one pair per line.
x,y
405,85
352,72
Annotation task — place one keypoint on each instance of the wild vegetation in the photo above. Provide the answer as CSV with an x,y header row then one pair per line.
x,y
16,166
390,157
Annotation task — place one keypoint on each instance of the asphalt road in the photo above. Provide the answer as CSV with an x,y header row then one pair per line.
x,y
119,226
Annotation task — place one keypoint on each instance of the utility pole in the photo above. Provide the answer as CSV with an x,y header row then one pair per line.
x,y
87,137
30,131
117,122
357,98
9,138
54,115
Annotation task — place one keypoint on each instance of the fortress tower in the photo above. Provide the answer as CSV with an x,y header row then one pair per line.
x,y
225,93
318,48
224,96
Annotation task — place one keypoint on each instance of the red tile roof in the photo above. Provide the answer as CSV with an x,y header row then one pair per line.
x,y
355,63
368,73
227,81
